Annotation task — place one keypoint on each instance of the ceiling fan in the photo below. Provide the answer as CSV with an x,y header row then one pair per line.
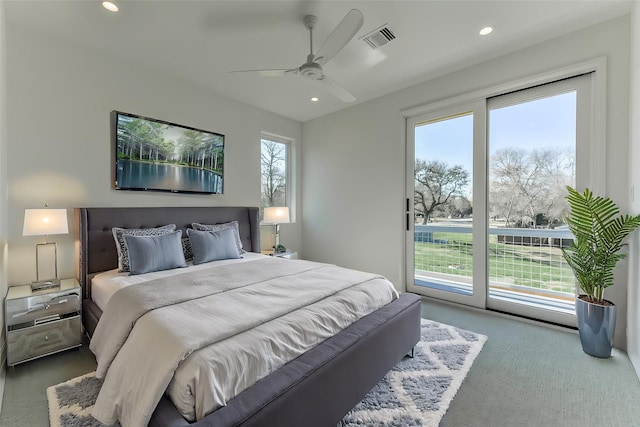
x,y
312,68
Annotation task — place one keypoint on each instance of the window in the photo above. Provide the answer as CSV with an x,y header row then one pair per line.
x,y
532,146
443,194
274,156
486,184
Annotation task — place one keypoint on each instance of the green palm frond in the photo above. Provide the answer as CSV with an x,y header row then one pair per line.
x,y
599,232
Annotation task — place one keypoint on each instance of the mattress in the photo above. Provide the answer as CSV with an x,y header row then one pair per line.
x,y
105,284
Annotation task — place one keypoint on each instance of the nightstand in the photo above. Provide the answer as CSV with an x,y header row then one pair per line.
x,y
288,255
42,322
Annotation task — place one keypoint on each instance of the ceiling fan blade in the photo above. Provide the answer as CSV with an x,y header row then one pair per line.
x,y
269,72
341,35
337,90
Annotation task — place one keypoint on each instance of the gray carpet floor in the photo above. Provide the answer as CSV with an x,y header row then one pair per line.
x,y
526,375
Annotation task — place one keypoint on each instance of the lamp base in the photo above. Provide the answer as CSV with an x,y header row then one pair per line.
x,y
45,252
45,284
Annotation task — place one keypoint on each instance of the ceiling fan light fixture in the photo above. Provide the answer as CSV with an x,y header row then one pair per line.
x,y
312,68
110,6
486,31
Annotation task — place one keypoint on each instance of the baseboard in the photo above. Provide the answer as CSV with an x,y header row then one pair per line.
x,y
511,316
635,361
3,371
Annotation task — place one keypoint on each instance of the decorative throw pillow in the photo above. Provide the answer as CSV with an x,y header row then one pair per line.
x,y
123,256
213,245
154,253
234,225
186,249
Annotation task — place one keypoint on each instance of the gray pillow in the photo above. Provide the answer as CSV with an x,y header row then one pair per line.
x,y
154,253
234,225
123,255
213,245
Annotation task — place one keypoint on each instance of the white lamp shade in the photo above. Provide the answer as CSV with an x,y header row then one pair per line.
x,y
276,215
42,222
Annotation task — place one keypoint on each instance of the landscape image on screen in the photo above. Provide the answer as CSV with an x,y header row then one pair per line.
x,y
161,156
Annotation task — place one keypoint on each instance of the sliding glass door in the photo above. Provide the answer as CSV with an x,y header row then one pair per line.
x,y
487,185
533,142
440,211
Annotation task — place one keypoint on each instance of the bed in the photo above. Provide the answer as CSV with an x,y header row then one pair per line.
x,y
315,389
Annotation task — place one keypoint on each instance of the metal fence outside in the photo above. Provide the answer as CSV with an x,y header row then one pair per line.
x,y
521,260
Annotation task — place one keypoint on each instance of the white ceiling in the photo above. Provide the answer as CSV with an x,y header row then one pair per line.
x,y
201,41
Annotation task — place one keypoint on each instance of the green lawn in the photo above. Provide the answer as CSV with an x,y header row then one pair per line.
x,y
533,267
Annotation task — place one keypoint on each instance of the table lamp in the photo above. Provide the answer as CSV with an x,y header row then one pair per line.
x,y
44,222
276,216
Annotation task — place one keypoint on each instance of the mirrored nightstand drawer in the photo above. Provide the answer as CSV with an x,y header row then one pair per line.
x,y
28,343
30,310
42,322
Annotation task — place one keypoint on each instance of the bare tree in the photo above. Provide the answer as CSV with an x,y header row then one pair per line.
x,y
525,184
561,171
273,159
437,184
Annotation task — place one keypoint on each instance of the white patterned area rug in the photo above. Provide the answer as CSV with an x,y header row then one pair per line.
x,y
71,402
417,392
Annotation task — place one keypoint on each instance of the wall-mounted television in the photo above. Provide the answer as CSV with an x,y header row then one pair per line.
x,y
154,155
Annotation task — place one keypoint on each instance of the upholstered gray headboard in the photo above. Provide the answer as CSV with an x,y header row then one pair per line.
x,y
96,249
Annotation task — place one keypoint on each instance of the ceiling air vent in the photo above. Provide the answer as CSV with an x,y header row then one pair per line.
x,y
379,37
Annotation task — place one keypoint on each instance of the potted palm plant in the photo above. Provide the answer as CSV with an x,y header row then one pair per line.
x,y
599,231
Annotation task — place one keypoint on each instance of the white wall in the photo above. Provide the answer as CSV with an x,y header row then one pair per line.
x,y
59,98
354,164
3,193
633,318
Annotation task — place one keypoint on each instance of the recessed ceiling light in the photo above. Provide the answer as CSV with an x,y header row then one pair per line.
x,y
486,30
111,7
315,99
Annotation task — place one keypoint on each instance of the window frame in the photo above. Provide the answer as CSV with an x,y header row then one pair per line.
x,y
288,175
584,155
590,164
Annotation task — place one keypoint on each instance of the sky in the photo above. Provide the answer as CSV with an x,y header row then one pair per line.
x,y
542,123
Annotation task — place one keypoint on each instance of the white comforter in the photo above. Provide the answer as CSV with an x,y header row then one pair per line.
x,y
206,336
